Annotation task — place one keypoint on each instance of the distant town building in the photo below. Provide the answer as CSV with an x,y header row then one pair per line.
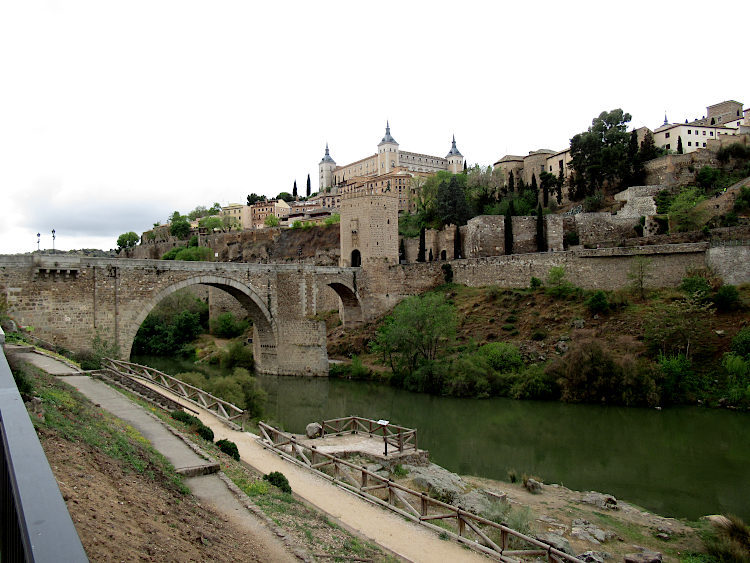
x,y
390,167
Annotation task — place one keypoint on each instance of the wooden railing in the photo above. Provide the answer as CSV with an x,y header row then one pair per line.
x,y
221,408
465,527
398,437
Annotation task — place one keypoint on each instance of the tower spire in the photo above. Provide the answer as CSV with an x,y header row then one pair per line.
x,y
665,118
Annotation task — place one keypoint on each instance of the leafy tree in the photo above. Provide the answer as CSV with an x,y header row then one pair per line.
x,y
127,240
534,185
421,251
254,198
230,223
680,327
452,208
417,331
548,182
508,231
179,227
286,196
648,150
679,145
639,273
294,190
308,185
194,254
193,241
271,221
599,155
211,223
683,212
227,326
541,240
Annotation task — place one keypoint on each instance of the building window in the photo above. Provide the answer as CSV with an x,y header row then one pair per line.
x,y
688,131
666,136
712,133
704,144
668,147
690,144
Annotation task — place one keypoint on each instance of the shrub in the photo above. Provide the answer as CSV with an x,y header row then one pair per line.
x,y
193,241
170,254
229,448
557,285
502,356
205,432
727,298
695,285
598,303
680,382
741,343
539,334
732,540
572,238
512,475
237,355
447,273
534,383
536,283
182,416
227,326
742,203
278,480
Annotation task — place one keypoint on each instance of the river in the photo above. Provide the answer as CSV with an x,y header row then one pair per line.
x,y
683,462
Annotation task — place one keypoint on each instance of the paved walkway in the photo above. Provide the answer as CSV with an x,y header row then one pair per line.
x,y
209,489
388,529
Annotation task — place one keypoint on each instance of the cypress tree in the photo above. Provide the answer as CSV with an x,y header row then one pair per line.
x,y
457,244
511,182
465,168
545,194
401,250
558,186
534,187
421,251
431,256
509,228
679,145
308,185
294,190
541,241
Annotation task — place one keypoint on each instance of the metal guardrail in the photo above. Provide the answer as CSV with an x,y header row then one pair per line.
x,y
416,506
36,525
221,408
398,437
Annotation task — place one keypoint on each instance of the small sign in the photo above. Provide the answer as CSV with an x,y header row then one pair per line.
x,y
383,422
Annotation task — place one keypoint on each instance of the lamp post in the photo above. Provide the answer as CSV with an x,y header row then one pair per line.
x,y
38,239
53,241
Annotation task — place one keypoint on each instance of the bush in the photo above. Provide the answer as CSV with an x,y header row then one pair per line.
x,y
695,285
182,416
227,326
502,356
598,303
557,285
237,355
170,254
572,238
205,432
447,273
732,540
727,298
742,203
193,241
229,448
680,382
535,383
539,334
278,480
536,283
741,343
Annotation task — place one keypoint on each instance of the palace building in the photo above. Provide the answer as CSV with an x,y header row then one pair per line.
x,y
390,168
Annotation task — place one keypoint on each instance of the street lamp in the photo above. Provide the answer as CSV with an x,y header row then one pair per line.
x,y
53,241
38,239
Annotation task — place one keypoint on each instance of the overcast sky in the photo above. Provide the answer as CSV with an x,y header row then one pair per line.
x,y
115,114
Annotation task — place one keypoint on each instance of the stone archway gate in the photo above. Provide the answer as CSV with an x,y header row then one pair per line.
x,y
69,300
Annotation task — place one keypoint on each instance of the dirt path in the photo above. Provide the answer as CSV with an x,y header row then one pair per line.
x,y
393,532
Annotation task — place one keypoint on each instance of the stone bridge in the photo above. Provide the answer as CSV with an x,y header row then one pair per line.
x,y
70,300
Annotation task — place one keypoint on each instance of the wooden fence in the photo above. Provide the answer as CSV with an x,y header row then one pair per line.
x,y
221,408
496,540
400,438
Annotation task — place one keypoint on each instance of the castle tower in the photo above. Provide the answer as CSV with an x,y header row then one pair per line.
x,y
326,167
455,159
369,228
387,152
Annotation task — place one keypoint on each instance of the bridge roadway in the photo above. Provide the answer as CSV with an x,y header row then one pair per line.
x,y
71,300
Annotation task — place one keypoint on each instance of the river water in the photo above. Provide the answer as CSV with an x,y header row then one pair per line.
x,y
684,462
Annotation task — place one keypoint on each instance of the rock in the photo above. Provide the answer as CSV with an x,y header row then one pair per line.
x,y
594,556
533,486
578,323
600,500
549,520
439,482
314,430
557,541
474,501
663,537
561,347
585,530
643,556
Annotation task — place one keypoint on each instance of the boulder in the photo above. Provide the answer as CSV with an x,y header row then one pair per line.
x,y
600,500
643,555
557,541
313,430
585,530
533,486
594,556
439,482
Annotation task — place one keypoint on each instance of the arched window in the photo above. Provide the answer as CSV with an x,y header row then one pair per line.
x,y
442,255
356,258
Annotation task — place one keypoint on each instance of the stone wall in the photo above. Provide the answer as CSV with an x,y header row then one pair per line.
x,y
731,263
678,168
524,235
639,201
594,228
484,236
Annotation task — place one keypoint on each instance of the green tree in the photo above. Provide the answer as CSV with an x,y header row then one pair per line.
x,y
508,231
271,221
679,145
548,182
452,208
308,185
230,223
639,274
541,240
648,150
684,213
511,182
127,240
211,223
294,190
599,155
417,331
179,227
254,198
286,196
421,251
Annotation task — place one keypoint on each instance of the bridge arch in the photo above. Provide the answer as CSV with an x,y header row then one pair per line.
x,y
351,308
265,331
